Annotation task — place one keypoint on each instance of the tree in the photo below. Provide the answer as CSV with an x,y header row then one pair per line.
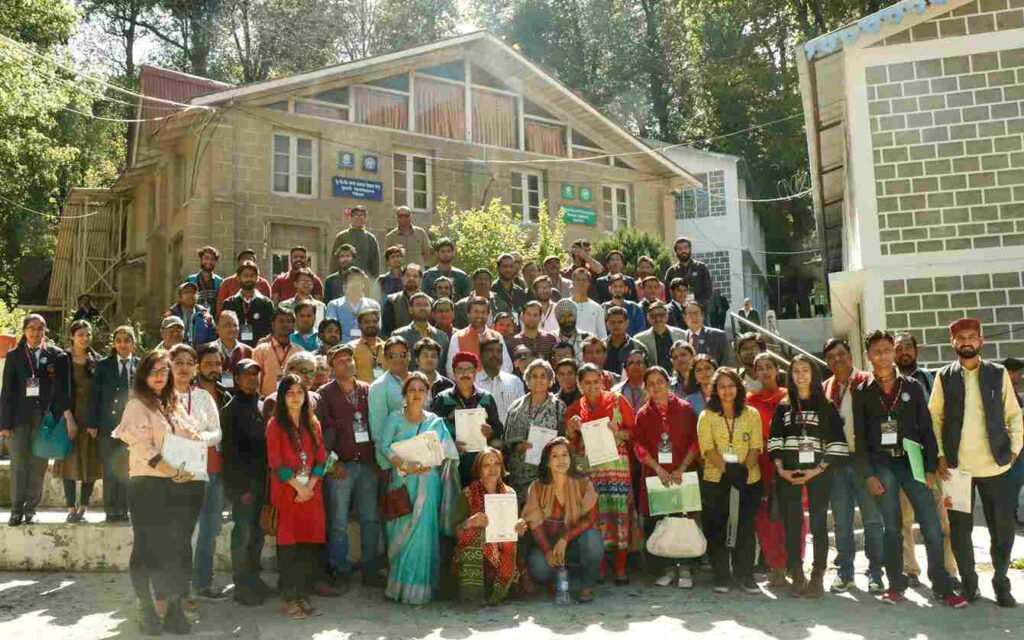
x,y
634,243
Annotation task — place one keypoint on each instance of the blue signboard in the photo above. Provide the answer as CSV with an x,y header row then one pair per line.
x,y
356,188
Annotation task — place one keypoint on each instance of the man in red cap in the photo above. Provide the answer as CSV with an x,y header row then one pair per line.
x,y
978,426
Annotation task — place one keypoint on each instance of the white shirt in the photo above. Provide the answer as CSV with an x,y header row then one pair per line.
x,y
549,322
199,404
505,387
590,318
453,348
124,364
321,309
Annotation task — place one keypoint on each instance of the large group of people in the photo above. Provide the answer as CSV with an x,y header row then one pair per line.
x,y
306,392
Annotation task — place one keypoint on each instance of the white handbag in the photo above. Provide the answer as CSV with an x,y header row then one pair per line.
x,y
677,538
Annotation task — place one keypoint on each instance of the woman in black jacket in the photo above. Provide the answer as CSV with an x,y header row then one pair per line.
x,y
806,437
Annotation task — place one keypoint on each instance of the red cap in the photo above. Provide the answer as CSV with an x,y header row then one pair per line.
x,y
964,324
465,356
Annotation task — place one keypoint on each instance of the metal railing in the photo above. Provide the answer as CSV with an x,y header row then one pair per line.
x,y
772,338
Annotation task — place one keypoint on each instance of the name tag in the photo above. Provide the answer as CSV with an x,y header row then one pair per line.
x,y
664,457
32,388
303,478
247,333
362,436
730,457
359,428
378,372
355,333
805,452
227,381
890,433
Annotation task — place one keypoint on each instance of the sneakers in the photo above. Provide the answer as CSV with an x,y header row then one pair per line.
x,y
749,585
891,596
875,584
212,594
954,601
668,578
685,579
721,586
913,581
1005,599
841,585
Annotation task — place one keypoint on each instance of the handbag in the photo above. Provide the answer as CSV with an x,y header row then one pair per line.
x,y
677,538
52,441
268,514
393,503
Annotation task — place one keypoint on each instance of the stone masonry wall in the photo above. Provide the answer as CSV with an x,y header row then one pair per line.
x,y
926,306
947,139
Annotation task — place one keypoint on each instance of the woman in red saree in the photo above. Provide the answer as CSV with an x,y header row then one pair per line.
x,y
487,571
612,480
770,533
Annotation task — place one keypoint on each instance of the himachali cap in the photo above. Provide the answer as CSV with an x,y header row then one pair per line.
x,y
244,365
465,356
171,321
964,324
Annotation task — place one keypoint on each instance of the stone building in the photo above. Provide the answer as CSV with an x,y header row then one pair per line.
x,y
916,141
276,163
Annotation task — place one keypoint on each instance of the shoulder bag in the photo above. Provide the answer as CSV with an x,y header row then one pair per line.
x,y
268,514
394,503
52,441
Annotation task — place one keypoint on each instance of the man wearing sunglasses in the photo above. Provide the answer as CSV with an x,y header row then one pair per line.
x,y
414,239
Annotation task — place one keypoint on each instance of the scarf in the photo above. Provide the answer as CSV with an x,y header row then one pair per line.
x,y
580,499
501,556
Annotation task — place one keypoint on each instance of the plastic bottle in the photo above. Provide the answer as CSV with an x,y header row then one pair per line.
x,y
562,586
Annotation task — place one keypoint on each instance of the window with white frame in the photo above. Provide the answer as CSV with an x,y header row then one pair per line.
x,y
294,167
527,194
412,182
617,205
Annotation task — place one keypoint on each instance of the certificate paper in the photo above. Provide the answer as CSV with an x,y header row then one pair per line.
x,y
958,488
599,442
423,450
538,438
915,455
186,454
502,514
677,498
468,423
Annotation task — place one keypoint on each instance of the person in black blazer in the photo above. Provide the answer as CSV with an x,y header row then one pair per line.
x,y
110,390
29,385
705,339
254,310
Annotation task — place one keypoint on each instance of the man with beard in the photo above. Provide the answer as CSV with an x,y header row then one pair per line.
x,y
231,350
443,288
482,280
334,284
368,347
329,333
565,313
445,250
889,410
749,346
544,294
420,327
504,387
426,353
366,249
386,391
172,332
466,395
618,345
207,282
413,239
979,430
273,352
561,286
395,313
284,284
390,282
906,361
614,264
442,316
470,338
508,296
346,309
539,342
617,287
231,285
658,340
253,310
694,273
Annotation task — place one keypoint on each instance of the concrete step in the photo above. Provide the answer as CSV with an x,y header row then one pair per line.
x,y
53,489
51,544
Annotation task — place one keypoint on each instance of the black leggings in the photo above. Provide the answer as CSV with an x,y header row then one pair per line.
x,y
163,514
791,502
69,493
300,565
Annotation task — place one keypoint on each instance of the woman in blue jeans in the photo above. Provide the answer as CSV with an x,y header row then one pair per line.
x,y
561,511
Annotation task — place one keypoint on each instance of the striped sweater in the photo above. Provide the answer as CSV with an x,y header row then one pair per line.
x,y
823,429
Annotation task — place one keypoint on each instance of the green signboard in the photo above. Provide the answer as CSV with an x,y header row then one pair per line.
x,y
568,192
586,194
579,215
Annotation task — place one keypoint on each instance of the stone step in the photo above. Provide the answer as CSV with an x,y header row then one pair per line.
x,y
51,544
53,489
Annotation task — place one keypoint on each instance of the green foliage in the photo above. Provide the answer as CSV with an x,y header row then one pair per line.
x,y
11,318
482,234
634,243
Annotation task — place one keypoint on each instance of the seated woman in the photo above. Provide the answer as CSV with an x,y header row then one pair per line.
x,y
414,539
487,571
561,511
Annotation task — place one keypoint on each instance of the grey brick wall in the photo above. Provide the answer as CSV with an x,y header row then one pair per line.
x,y
706,202
980,16
718,265
926,306
948,144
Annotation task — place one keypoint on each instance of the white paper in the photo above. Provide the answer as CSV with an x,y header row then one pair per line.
x,y
188,455
958,488
538,438
423,450
468,423
599,442
502,514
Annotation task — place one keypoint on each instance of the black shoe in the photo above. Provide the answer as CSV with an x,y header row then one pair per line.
x,y
175,621
1005,599
212,594
971,595
955,584
28,518
14,520
913,581
149,621
374,581
263,589
248,598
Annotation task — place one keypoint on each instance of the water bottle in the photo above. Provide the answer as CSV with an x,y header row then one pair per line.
x,y
562,586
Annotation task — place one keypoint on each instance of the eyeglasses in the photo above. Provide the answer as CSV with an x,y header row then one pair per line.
x,y
159,371
305,371
465,369
397,355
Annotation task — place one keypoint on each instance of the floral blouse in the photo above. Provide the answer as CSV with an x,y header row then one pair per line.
x,y
521,415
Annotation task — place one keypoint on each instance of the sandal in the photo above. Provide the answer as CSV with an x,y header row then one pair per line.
x,y
309,609
294,609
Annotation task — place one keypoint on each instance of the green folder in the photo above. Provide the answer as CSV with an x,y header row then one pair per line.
x,y
915,453
679,498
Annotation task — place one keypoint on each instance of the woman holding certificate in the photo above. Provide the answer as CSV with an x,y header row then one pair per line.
x,y
665,444
601,425
729,432
164,500
486,569
533,420
806,437
429,493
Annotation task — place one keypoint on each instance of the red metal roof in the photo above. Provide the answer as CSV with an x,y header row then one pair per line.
x,y
170,85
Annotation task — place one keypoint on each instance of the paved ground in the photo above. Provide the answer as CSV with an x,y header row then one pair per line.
x,y
92,606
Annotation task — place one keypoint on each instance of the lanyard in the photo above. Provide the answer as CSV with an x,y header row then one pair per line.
x,y
883,397
836,397
633,395
730,425
281,359
803,420
190,401
462,402
31,358
246,305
